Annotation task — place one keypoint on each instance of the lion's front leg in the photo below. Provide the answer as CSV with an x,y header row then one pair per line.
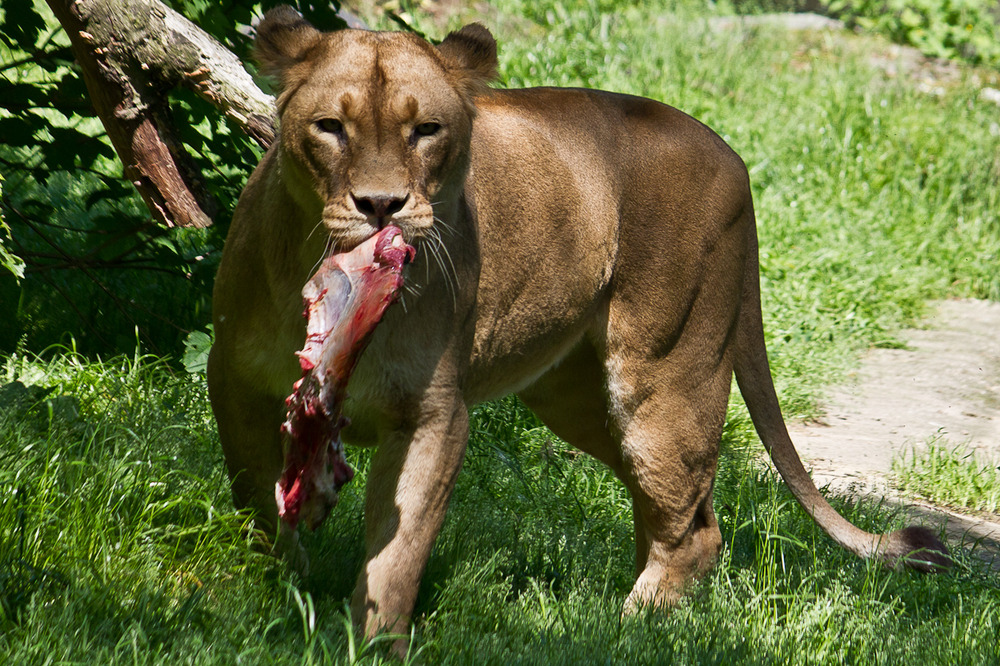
x,y
409,485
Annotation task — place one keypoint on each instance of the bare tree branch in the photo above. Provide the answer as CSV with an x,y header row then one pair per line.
x,y
132,53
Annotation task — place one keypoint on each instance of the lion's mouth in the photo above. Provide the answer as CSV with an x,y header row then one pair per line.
x,y
348,229
344,302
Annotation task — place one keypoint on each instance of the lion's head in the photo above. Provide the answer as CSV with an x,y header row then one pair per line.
x,y
374,127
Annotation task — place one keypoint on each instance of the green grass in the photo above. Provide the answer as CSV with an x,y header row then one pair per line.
x,y
950,475
119,542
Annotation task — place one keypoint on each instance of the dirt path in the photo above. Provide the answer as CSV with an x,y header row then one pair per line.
x,y
945,384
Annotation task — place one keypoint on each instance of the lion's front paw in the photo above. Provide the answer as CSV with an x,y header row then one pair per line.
x,y
653,588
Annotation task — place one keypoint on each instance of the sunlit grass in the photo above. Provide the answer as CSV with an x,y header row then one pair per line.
x,y
118,538
119,542
950,474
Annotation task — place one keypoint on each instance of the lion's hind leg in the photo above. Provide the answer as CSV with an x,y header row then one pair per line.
x,y
670,476
671,414
665,452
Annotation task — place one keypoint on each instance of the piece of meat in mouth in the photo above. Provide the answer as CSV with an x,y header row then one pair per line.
x,y
344,302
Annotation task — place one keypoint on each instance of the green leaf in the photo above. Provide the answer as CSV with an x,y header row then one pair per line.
x,y
22,23
910,18
19,95
68,145
20,130
8,260
113,190
197,345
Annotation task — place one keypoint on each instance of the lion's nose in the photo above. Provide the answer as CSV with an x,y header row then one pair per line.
x,y
380,207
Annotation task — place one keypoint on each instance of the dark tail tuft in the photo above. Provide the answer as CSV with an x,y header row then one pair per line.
x,y
918,548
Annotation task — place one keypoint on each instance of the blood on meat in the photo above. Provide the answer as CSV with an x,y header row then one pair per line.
x,y
344,302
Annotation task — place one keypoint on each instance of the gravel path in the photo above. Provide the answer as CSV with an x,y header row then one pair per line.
x,y
944,385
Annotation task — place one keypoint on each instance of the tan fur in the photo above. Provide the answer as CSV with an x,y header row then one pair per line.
x,y
595,253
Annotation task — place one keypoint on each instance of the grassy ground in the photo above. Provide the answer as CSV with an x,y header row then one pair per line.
x,y
119,543
951,475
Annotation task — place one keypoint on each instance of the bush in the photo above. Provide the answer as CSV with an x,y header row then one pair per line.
x,y
954,29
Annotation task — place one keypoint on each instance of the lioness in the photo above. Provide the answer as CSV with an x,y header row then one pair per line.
x,y
594,253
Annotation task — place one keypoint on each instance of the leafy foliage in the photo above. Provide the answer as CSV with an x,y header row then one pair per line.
x,y
95,266
953,29
9,261
963,29
197,345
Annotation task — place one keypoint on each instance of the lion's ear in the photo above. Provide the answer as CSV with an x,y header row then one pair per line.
x,y
473,51
283,39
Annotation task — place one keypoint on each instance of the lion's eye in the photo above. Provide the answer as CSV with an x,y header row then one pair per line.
x,y
330,125
426,129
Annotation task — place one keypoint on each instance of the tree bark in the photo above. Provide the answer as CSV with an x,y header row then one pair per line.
x,y
132,53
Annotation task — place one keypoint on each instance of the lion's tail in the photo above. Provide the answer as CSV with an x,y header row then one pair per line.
x,y
914,546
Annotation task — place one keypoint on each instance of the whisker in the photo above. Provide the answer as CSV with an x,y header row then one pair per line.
x,y
427,269
313,230
447,254
437,248
327,251
432,248
444,225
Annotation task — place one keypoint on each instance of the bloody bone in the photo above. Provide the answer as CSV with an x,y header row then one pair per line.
x,y
344,302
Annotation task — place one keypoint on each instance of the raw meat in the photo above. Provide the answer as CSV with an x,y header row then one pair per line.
x,y
344,301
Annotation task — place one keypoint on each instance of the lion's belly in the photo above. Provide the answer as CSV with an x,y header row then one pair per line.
x,y
524,328
499,369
